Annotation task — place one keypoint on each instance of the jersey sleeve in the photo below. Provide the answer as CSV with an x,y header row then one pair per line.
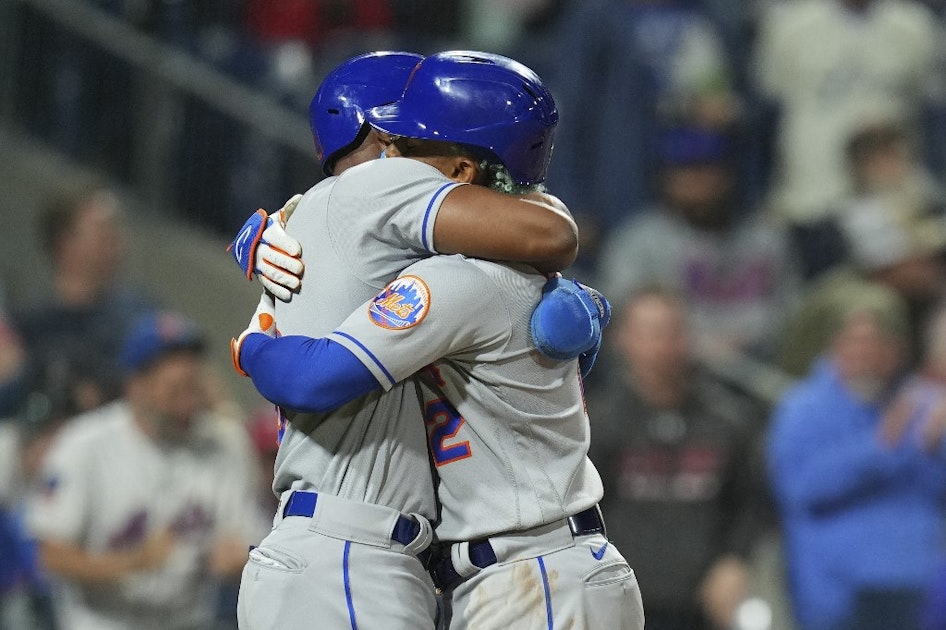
x,y
441,307
58,501
392,202
308,374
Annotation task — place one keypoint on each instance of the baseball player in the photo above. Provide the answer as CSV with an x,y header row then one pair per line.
x,y
524,542
355,483
142,503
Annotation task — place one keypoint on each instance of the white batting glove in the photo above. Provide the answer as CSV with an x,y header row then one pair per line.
x,y
263,321
275,256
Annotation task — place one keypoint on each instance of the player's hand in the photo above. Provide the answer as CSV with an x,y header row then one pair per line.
x,y
724,587
263,321
910,416
897,418
263,247
568,321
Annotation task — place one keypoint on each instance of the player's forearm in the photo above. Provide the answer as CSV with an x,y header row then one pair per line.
x,y
536,229
547,235
77,564
303,373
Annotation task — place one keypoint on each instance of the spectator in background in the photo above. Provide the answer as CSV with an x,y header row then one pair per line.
x,y
77,95
831,66
315,22
862,515
13,368
677,450
900,248
918,415
264,434
505,27
262,428
632,66
72,338
18,577
882,161
304,39
143,504
732,267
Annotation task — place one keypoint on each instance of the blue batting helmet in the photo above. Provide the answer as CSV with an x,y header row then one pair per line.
x,y
479,100
337,111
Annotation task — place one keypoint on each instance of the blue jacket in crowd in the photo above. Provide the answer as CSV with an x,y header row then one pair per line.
x,y
856,515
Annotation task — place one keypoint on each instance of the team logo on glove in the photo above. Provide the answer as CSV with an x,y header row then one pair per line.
x,y
403,304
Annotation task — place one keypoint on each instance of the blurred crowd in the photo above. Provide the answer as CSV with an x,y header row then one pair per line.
x,y
759,187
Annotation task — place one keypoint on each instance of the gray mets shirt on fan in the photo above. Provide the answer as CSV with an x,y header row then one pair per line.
x,y
358,231
507,427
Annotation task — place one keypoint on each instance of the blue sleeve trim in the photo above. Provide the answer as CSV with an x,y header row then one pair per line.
x,y
370,355
430,207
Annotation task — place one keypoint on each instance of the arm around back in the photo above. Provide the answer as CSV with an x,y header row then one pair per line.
x,y
72,561
535,228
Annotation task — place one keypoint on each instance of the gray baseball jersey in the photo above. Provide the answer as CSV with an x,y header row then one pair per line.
x,y
507,427
106,486
357,231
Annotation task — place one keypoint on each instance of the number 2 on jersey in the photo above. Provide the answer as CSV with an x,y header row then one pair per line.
x,y
443,423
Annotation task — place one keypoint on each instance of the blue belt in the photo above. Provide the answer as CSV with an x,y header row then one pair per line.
x,y
445,575
301,503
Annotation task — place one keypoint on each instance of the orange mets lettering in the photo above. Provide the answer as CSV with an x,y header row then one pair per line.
x,y
393,304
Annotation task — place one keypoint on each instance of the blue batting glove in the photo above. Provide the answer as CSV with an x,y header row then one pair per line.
x,y
567,322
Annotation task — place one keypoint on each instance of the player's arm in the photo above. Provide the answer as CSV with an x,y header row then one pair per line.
x,y
308,374
57,512
378,345
314,375
72,561
536,229
317,375
479,222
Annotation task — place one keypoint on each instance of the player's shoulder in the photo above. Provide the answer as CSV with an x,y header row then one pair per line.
x,y
433,276
475,279
507,272
100,425
435,264
456,269
320,189
379,175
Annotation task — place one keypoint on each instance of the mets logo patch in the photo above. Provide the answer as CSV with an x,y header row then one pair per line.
x,y
403,304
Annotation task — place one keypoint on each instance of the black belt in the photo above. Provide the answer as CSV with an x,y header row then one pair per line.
x,y
301,503
445,575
